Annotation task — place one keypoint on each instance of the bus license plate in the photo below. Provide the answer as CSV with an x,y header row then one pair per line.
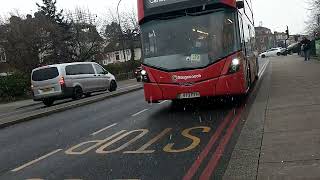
x,y
189,95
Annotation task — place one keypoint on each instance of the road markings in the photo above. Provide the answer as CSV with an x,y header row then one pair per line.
x,y
101,130
211,166
263,69
36,160
72,150
195,166
163,102
102,149
140,112
143,149
186,133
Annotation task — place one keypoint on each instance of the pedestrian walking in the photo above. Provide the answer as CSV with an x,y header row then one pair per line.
x,y
306,44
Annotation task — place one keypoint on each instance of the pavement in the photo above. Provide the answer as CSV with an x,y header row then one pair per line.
x,y
272,134
280,138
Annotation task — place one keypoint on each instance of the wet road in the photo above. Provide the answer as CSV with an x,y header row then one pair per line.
x,y
124,138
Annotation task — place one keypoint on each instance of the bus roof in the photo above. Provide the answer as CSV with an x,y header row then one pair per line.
x,y
153,7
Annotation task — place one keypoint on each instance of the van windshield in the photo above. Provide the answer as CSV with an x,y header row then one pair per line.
x,y
45,74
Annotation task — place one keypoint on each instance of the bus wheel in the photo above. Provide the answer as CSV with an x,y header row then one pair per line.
x,y
249,81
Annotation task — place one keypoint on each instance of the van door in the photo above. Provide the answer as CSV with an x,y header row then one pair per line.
x,y
45,81
83,75
103,77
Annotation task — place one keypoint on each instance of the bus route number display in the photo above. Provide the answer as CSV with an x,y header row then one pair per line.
x,y
158,3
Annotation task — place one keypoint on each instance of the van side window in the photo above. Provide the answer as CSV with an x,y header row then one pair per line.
x,y
99,69
79,69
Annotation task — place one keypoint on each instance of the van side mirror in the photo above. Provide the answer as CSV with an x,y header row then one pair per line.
x,y
240,4
105,72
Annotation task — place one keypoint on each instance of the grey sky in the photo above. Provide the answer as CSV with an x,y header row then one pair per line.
x,y
275,14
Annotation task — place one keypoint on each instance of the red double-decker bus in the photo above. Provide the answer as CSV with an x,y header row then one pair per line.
x,y
197,48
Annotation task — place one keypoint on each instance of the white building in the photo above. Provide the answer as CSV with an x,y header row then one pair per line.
x,y
115,54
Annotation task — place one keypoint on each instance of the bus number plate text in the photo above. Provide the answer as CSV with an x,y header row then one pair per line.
x,y
189,95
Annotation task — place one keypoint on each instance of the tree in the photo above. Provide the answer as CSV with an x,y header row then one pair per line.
x,y
86,39
22,43
49,9
112,32
59,33
313,24
128,34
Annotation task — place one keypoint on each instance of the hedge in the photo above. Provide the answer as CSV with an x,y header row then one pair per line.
x,y
121,68
14,86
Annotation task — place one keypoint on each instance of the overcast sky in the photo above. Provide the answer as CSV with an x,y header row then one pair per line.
x,y
274,14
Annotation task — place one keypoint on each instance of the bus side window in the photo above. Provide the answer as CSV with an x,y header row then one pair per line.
x,y
241,33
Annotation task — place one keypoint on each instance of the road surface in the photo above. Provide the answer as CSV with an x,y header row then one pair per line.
x,y
124,138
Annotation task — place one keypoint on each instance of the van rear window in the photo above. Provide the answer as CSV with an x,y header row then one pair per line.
x,y
45,74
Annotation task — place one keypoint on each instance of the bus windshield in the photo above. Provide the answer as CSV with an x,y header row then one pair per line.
x,y
190,42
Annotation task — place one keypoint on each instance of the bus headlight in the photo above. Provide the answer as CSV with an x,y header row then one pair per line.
x,y
144,76
234,66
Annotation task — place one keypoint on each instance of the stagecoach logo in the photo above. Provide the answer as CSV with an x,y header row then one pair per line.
x,y
176,78
156,1
159,3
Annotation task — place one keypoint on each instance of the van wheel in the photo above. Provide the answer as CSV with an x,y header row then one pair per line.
x,y
278,54
48,102
263,56
113,86
77,93
87,94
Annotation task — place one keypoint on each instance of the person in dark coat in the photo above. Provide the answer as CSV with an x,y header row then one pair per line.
x,y
306,43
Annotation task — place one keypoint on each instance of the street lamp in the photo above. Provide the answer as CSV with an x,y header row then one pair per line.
x,y
122,40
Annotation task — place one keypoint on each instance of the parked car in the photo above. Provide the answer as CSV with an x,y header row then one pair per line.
x,y
53,82
273,52
137,74
294,48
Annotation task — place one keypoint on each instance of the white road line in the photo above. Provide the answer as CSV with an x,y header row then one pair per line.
x,y
129,86
140,112
97,132
164,102
35,161
263,69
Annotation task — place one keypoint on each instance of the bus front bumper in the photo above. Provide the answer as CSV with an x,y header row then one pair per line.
x,y
222,86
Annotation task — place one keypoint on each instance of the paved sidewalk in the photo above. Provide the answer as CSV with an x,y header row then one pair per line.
x,y
281,137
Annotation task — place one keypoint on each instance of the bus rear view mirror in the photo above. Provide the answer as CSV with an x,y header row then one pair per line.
x,y
240,4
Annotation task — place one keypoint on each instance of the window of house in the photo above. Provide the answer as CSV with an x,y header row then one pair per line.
x,y
2,55
117,56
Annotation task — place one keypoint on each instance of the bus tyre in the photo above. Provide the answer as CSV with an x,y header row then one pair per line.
x,y
249,80
87,94
113,86
48,102
77,93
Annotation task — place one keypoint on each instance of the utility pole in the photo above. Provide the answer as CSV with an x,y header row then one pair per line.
x,y
120,29
288,36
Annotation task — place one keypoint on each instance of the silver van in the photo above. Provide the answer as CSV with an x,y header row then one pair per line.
x,y
59,81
